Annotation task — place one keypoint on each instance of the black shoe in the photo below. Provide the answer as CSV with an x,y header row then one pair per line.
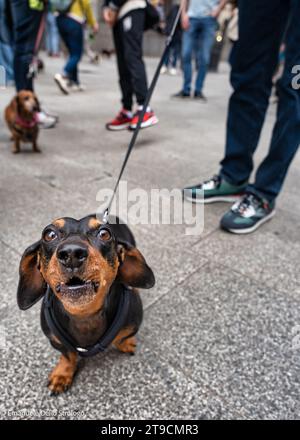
x,y
181,94
199,96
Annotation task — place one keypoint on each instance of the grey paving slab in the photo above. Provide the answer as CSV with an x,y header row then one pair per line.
x,y
265,257
233,337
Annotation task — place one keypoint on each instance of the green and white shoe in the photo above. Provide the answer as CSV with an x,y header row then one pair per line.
x,y
216,189
247,215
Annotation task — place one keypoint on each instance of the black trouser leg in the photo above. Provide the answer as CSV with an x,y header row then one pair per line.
x,y
124,74
132,29
25,26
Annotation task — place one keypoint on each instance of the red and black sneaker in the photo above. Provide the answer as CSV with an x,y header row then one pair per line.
x,y
149,119
121,122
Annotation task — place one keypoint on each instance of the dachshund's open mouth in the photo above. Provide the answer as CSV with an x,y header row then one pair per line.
x,y
77,287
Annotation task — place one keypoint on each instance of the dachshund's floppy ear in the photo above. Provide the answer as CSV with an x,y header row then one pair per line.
x,y
133,269
32,285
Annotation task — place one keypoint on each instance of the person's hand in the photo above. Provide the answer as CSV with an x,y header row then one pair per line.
x,y
185,21
110,16
96,28
215,12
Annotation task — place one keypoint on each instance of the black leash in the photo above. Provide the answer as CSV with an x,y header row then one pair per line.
x,y
143,111
105,340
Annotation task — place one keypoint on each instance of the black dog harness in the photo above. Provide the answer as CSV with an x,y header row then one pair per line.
x,y
104,341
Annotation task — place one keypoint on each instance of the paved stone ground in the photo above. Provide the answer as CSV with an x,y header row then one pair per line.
x,y
217,335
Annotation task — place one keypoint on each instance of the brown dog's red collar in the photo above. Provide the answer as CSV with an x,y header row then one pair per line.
x,y
27,124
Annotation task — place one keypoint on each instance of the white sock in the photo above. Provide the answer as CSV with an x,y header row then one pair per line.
x,y
140,107
128,113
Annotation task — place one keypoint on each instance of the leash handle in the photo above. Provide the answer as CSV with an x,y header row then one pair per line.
x,y
143,111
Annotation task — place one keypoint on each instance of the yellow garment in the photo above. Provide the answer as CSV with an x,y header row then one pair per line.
x,y
83,10
36,4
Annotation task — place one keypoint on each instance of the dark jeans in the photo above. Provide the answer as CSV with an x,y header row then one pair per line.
x,y
128,39
6,42
262,26
71,33
197,39
25,29
174,53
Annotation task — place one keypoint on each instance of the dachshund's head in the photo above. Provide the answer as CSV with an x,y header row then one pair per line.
x,y
79,260
27,103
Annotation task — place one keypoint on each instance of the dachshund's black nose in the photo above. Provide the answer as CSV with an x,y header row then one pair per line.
x,y
72,255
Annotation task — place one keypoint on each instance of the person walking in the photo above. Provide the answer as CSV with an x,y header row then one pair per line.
x,y
127,19
71,28
26,21
199,22
262,27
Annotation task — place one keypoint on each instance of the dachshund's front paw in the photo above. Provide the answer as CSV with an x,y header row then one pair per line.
x,y
127,346
62,375
59,383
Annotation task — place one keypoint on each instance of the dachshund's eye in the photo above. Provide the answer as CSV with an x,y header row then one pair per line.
x,y
50,235
104,234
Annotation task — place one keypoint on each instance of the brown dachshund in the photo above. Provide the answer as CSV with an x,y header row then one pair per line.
x,y
83,267
21,119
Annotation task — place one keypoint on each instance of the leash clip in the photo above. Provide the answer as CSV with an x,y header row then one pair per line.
x,y
105,216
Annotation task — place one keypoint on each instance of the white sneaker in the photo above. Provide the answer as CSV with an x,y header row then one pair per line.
x,y
77,88
163,70
45,120
62,83
173,71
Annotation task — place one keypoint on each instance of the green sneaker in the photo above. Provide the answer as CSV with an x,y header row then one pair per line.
x,y
215,189
247,215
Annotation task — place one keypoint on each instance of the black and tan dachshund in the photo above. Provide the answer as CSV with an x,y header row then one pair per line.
x,y
84,264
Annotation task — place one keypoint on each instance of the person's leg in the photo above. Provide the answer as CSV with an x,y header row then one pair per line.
x,y
254,58
72,35
286,134
168,56
176,53
188,43
206,39
52,37
48,34
76,50
55,36
6,51
132,31
124,74
25,26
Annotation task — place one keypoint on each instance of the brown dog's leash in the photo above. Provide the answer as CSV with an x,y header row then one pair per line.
x,y
32,66
143,111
